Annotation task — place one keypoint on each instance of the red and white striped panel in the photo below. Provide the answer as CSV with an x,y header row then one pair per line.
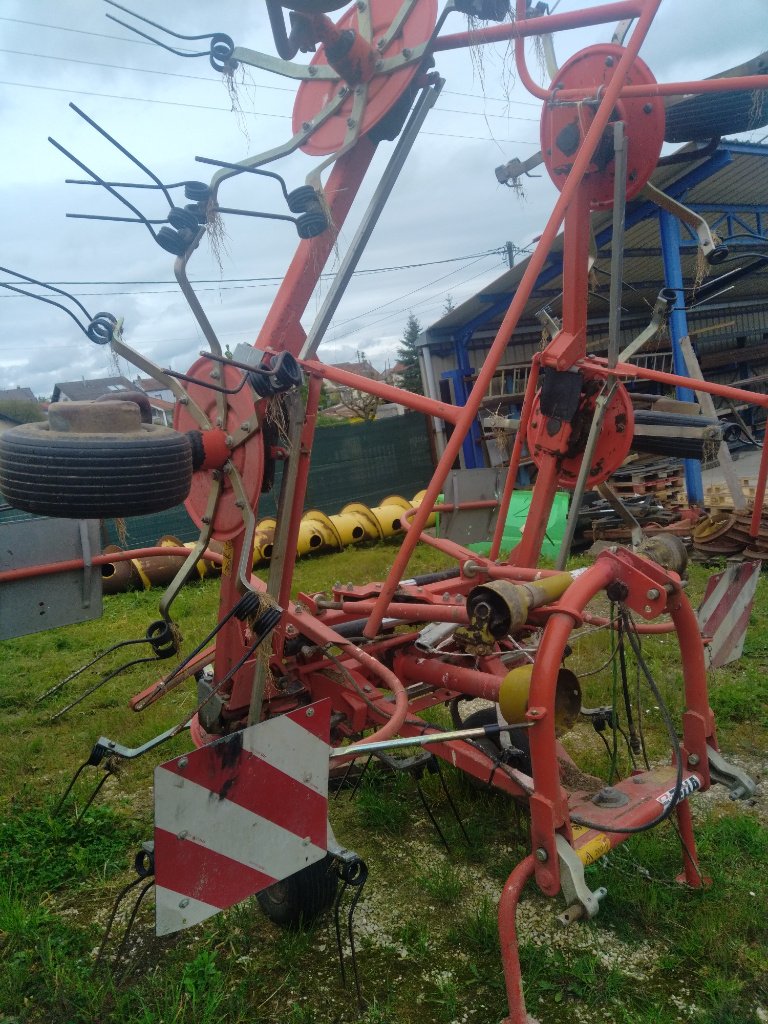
x,y
725,611
240,814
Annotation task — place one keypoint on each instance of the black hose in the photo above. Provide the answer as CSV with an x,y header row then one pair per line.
x,y
631,632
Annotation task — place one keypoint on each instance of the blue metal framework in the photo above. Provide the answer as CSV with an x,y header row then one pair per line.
x,y
738,224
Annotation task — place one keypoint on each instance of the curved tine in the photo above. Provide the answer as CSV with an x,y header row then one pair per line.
x,y
107,774
100,181
42,298
123,184
108,928
68,790
78,671
145,35
351,935
120,220
155,24
99,684
337,924
59,291
249,170
126,934
124,151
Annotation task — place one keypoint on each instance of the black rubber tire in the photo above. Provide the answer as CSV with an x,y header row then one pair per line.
x,y
94,476
302,897
519,737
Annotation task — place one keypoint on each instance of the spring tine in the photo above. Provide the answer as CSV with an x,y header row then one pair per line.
x,y
68,790
101,181
449,798
107,774
360,777
249,170
124,184
351,935
99,684
124,151
115,906
165,46
121,220
88,664
50,287
43,298
155,24
337,923
344,778
432,818
124,941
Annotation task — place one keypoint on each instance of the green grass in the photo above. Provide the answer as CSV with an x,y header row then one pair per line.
x,y
427,930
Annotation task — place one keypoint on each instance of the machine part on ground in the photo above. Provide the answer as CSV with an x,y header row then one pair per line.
x,y
345,667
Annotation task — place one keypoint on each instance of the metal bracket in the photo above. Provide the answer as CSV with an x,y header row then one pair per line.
x,y
575,889
735,780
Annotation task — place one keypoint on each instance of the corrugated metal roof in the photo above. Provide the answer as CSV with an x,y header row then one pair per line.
x,y
742,179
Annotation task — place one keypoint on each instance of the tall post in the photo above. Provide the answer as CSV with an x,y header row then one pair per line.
x,y
669,230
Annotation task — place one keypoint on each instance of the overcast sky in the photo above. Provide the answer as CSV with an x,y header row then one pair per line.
x,y
446,206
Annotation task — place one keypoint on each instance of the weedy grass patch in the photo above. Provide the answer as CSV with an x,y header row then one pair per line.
x,y
425,927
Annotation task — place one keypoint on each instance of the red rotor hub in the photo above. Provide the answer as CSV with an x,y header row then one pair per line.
x,y
247,458
384,90
612,446
564,124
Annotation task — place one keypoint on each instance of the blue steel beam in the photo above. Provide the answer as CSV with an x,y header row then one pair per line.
x,y
669,231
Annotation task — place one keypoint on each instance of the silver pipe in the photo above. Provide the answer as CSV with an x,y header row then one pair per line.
x,y
391,173
422,741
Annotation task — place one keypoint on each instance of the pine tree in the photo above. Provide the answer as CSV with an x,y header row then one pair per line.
x,y
408,354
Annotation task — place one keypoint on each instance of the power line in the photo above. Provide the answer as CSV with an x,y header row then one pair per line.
x,y
139,99
260,113
143,71
78,31
410,306
143,42
252,281
206,78
414,291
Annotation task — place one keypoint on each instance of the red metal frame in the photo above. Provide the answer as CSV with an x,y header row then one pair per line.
x,y
366,683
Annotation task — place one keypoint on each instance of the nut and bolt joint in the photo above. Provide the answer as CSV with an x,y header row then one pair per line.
x,y
693,760
541,855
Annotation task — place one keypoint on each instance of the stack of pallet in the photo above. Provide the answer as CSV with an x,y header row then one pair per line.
x,y
660,479
718,498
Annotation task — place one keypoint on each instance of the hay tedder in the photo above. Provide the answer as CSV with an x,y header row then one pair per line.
x,y
292,691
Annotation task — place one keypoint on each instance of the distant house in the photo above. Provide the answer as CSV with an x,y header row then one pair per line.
x,y
357,402
162,411
89,390
18,405
394,374
155,388
17,395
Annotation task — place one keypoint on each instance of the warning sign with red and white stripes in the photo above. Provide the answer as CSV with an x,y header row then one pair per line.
x,y
240,814
725,611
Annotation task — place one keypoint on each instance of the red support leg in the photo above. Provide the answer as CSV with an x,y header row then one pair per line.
x,y
510,954
691,873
